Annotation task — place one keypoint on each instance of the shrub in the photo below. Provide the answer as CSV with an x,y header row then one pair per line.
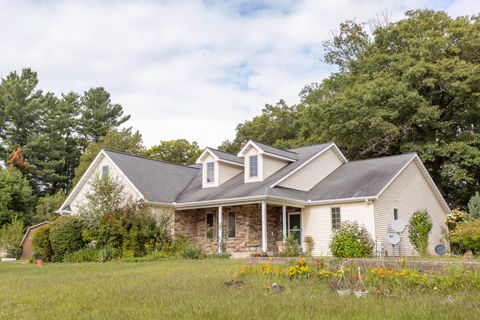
x,y
105,254
291,247
66,236
467,236
309,245
457,217
176,246
87,254
47,206
351,241
474,206
419,228
11,235
41,246
192,251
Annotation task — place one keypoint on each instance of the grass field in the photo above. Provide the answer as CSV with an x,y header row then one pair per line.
x,y
181,289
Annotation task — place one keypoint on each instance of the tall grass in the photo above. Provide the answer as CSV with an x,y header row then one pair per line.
x,y
194,289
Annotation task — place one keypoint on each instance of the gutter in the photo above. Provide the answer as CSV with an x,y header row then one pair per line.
x,y
242,200
342,200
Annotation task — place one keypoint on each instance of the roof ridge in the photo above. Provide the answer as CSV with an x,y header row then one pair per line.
x,y
222,151
146,158
312,145
383,157
268,145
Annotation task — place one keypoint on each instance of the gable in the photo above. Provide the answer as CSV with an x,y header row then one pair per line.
x,y
410,191
76,197
313,172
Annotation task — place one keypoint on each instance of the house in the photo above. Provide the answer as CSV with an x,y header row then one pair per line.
x,y
262,193
26,244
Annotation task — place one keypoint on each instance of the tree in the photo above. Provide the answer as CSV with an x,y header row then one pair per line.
x,y
99,115
47,206
119,140
178,151
419,229
413,87
43,135
21,109
17,160
105,196
347,45
54,153
11,235
16,197
278,125
474,206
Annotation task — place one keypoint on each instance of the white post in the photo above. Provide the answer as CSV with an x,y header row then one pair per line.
x,y
220,229
264,227
284,222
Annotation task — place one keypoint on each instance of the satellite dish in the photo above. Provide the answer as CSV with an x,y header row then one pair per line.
x,y
399,225
440,249
393,238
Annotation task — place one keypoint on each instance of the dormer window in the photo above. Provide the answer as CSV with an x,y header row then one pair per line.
x,y
218,167
210,172
253,163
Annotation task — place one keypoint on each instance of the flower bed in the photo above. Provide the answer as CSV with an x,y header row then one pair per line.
x,y
398,276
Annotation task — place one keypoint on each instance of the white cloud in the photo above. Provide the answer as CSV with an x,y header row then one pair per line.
x,y
183,69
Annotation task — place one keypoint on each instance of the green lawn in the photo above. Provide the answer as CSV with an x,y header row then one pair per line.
x,y
180,289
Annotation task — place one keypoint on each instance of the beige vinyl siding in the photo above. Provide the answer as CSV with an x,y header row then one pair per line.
x,y
227,171
312,173
317,223
159,211
271,165
79,198
408,193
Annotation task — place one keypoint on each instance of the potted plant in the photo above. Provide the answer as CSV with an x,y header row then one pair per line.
x,y
360,288
38,260
343,287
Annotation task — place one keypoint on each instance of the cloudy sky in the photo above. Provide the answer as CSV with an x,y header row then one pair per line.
x,y
184,69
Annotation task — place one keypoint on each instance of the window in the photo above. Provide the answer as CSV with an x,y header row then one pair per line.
x,y
209,230
231,224
336,221
210,171
395,214
104,171
253,161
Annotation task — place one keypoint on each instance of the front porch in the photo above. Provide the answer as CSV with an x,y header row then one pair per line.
x,y
239,229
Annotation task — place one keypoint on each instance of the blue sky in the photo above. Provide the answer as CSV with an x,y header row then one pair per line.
x,y
185,69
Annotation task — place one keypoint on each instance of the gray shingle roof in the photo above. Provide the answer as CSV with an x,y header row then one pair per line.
x,y
227,156
158,181
164,182
236,188
290,154
362,178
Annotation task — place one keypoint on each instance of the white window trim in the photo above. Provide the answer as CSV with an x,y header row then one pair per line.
x,y
228,224
212,165
250,166
259,176
331,217
206,224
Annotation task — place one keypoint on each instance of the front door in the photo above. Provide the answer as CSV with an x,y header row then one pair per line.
x,y
294,226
